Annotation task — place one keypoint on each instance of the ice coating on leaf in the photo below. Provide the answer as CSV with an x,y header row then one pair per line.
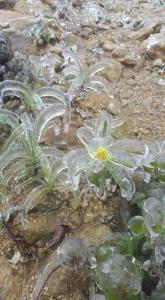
x,y
97,297
154,216
98,14
160,249
44,276
136,226
119,272
83,77
71,253
51,95
9,117
45,116
20,90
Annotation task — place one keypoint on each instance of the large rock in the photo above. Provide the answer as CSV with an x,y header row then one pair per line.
x,y
146,28
15,25
154,46
7,3
113,70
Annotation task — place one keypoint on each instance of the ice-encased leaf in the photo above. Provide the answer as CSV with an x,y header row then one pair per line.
x,y
51,95
99,81
9,117
71,71
13,170
10,155
17,89
118,273
50,267
34,196
84,136
71,253
26,124
97,68
137,149
97,297
76,161
124,181
136,226
13,138
123,159
74,88
103,124
69,55
45,116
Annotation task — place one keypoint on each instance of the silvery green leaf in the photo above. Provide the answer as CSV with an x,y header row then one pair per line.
x,y
10,155
17,89
9,117
34,196
69,55
45,116
13,138
100,81
84,136
51,95
97,68
124,181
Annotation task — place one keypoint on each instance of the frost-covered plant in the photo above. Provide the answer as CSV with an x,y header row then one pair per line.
x,y
119,276
104,160
41,32
39,99
24,161
51,95
7,210
18,89
71,253
150,229
155,161
130,265
82,76
152,221
103,124
8,117
98,13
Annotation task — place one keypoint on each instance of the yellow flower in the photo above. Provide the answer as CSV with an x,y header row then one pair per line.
x,y
101,154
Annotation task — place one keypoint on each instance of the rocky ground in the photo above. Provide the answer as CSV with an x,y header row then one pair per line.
x,y
135,55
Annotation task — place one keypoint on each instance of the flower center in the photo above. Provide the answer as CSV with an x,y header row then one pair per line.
x,y
101,153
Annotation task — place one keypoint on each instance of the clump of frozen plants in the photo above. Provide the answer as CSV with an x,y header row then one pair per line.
x,y
105,161
82,77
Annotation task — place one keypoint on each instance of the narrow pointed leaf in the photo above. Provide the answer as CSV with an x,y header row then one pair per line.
x,y
45,116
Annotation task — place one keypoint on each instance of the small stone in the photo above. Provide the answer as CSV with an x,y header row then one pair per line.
x,y
119,52
108,46
146,27
160,81
157,62
89,217
154,46
16,258
113,70
132,59
84,203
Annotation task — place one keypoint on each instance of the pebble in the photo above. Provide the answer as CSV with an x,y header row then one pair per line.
x,y
157,62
